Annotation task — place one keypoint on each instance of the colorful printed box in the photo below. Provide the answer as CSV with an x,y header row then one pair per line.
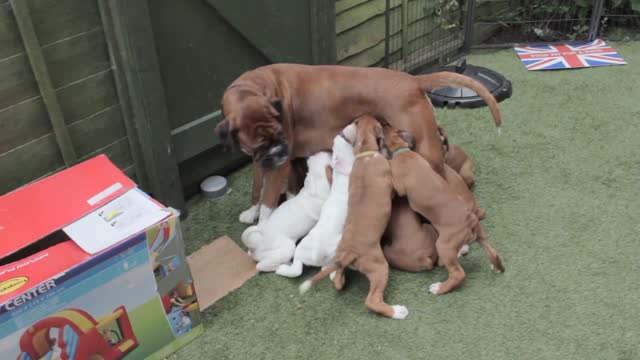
x,y
92,268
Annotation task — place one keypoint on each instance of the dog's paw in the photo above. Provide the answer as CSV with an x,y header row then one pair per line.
x,y
287,271
434,288
400,312
464,250
250,215
265,267
332,275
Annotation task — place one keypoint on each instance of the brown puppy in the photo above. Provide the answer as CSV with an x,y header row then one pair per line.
x,y
282,111
454,217
370,194
458,160
410,244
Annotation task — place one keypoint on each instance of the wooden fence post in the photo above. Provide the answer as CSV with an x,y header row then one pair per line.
x,y
136,46
41,74
117,68
322,18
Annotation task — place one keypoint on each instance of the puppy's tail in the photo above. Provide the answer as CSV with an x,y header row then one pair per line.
x,y
251,236
340,264
429,82
496,262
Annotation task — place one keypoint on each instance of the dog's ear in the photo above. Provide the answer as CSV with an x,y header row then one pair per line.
x,y
226,135
222,131
276,108
408,138
382,145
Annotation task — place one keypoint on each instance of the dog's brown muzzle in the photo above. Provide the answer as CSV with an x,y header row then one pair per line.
x,y
269,155
272,155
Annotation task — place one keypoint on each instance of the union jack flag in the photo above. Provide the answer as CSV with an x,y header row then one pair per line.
x,y
548,57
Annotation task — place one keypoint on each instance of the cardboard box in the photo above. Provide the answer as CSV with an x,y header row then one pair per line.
x,y
92,268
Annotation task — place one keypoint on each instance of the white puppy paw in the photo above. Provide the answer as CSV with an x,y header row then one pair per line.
x,y
434,288
332,275
266,267
250,215
400,312
287,271
464,250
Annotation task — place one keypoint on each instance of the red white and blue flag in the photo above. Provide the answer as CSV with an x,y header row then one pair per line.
x,y
551,57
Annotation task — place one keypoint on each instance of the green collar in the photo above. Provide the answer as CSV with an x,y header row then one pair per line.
x,y
400,150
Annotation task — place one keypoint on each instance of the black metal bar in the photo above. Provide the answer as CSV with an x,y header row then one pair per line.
x,y
469,26
387,33
512,44
596,15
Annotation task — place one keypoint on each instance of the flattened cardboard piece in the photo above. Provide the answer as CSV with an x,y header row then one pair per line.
x,y
218,269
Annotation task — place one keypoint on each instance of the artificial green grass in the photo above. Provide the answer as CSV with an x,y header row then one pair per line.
x,y
561,186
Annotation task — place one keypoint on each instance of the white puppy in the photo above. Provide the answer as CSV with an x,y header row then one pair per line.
x,y
319,246
273,242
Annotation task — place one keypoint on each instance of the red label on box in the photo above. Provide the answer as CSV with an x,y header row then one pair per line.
x,y
26,273
36,210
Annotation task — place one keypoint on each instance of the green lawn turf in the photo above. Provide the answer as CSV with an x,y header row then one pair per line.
x,y
562,189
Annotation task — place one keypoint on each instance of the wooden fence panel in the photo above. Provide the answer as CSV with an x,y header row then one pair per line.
x,y
23,123
98,130
84,77
77,57
10,42
93,94
18,83
55,20
41,73
360,29
58,98
29,162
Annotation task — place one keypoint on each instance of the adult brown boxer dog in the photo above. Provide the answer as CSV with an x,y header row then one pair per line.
x,y
284,111
370,194
455,216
